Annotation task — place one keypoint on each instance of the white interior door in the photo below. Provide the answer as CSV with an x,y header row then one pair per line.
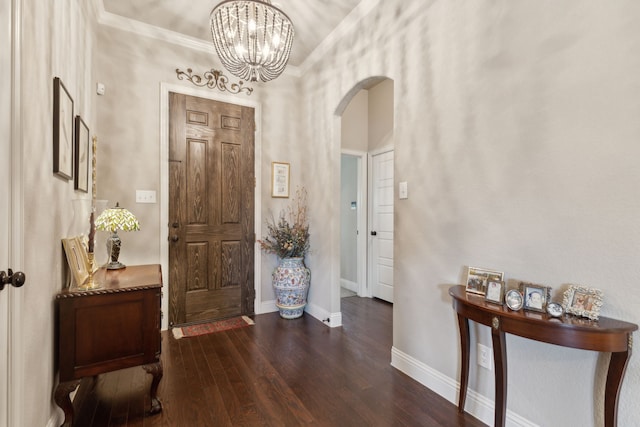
x,y
381,231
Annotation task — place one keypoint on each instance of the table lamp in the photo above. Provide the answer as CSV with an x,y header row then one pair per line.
x,y
114,219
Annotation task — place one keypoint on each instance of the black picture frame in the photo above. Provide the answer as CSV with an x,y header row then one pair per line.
x,y
81,156
63,127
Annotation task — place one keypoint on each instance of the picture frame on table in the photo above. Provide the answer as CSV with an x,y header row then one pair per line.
x,y
494,291
77,259
513,299
280,173
582,301
535,297
477,279
63,130
82,156
555,309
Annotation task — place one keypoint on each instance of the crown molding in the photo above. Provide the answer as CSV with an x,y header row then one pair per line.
x,y
146,30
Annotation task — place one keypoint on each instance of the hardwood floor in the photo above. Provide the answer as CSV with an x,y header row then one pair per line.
x,y
276,373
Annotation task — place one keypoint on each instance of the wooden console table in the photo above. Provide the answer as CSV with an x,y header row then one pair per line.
x,y
111,328
606,335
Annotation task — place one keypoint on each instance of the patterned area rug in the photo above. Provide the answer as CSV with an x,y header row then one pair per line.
x,y
208,328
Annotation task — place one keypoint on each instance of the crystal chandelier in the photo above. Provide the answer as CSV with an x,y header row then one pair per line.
x,y
252,38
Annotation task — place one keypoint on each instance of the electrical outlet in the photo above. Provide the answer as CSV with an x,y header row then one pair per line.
x,y
484,357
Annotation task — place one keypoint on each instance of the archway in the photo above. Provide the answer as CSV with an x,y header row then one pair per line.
x,y
366,123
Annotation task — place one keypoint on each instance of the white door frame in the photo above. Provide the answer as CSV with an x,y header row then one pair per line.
x,y
362,203
165,88
370,260
11,360
5,213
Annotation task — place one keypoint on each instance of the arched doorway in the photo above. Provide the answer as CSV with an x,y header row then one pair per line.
x,y
366,209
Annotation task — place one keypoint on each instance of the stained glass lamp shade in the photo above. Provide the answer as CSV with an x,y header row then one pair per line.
x,y
114,219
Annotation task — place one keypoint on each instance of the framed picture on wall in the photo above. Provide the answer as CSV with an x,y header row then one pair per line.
x,y
62,130
81,158
279,179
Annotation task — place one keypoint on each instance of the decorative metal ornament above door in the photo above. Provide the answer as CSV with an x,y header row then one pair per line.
x,y
213,79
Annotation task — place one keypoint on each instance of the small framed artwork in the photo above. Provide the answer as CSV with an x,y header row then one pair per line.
x,y
62,130
582,301
535,296
495,291
81,158
76,259
554,309
513,299
280,179
477,279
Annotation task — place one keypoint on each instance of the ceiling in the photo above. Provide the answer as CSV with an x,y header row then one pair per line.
x,y
313,20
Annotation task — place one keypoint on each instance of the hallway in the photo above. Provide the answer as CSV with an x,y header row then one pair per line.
x,y
278,373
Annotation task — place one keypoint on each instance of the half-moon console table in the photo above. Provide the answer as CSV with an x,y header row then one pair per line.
x,y
606,335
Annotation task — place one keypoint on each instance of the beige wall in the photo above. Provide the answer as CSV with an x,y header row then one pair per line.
x,y
355,123
517,121
380,116
58,39
130,136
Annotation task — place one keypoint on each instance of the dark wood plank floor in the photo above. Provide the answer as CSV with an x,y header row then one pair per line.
x,y
276,373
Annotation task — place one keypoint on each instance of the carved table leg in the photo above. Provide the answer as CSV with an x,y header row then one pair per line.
x,y
62,399
155,369
463,323
500,365
617,366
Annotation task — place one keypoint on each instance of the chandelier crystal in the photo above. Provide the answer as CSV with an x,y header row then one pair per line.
x,y
252,38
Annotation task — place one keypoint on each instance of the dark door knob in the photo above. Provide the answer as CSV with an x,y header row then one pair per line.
x,y
16,279
374,233
175,225
174,238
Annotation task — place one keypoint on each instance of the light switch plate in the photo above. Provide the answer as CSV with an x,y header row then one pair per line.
x,y
403,191
145,196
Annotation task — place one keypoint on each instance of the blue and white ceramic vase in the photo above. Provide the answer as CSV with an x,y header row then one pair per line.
x,y
291,280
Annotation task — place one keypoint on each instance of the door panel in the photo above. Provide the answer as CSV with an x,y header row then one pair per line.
x,y
211,208
382,225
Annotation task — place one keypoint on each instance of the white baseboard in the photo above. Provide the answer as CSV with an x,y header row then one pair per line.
x,y
334,319
348,284
477,405
266,307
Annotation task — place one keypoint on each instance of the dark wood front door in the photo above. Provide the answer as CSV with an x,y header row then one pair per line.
x,y
211,209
